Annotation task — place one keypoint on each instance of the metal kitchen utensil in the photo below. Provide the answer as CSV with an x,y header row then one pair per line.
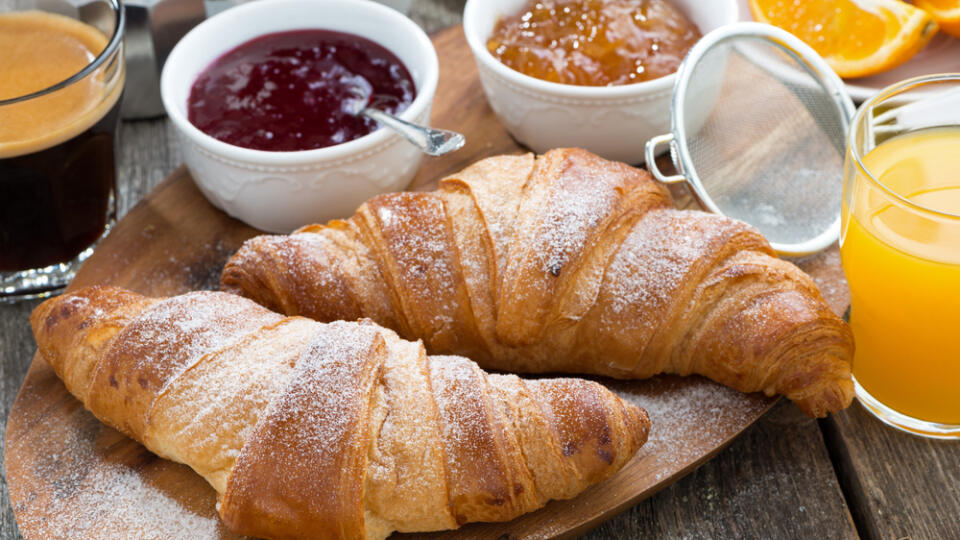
x,y
759,124
431,141
153,28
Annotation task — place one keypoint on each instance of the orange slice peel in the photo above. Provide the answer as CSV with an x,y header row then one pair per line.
x,y
856,37
945,12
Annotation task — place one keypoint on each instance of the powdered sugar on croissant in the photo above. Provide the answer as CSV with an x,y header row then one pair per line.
x,y
329,431
564,263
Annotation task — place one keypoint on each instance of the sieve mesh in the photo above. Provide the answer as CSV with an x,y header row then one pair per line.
x,y
764,138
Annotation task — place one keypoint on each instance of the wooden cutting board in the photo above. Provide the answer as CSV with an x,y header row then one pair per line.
x,y
69,476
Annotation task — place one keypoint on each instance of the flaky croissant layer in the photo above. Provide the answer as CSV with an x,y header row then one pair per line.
x,y
564,263
329,431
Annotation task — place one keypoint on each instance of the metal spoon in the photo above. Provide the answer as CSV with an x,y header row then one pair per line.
x,y
433,142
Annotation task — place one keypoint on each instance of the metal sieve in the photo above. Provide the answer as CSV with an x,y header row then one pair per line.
x,y
758,133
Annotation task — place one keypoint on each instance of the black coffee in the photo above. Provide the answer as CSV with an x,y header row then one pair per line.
x,y
56,202
57,174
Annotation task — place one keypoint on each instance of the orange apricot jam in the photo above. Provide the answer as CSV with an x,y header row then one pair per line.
x,y
594,42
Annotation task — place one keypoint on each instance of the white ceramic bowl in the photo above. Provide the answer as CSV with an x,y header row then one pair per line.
x,y
612,121
280,191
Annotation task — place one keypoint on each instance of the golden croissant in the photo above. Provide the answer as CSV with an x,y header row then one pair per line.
x,y
564,263
343,430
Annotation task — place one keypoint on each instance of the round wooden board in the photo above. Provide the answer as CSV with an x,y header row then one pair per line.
x,y
71,476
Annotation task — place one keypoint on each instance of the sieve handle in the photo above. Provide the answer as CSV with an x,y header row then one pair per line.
x,y
651,152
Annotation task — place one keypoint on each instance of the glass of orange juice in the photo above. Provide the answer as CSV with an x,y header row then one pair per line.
x,y
900,246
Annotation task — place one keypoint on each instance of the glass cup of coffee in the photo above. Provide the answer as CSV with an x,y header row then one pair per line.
x,y
61,81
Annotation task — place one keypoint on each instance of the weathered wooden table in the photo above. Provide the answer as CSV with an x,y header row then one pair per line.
x,y
787,477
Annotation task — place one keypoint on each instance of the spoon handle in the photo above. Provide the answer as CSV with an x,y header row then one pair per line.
x,y
434,142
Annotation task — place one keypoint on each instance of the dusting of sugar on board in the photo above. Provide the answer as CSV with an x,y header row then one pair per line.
x,y
92,497
687,415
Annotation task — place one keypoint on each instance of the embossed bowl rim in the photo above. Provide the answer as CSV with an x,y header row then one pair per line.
x,y
247,15
476,38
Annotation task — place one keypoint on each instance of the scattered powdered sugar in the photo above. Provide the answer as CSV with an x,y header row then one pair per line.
x,y
573,209
209,414
170,336
143,512
182,262
76,303
689,416
767,214
292,251
458,390
329,369
499,209
653,260
497,185
324,395
92,496
455,385
422,249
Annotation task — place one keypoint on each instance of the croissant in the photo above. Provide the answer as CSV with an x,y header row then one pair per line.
x,y
343,430
564,263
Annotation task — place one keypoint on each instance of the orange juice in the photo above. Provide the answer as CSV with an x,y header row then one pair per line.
x,y
902,262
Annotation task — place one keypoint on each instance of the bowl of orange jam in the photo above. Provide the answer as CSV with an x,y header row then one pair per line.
x,y
595,74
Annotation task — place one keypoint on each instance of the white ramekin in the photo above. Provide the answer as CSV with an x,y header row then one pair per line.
x,y
612,121
280,191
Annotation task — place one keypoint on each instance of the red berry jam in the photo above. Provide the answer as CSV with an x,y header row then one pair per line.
x,y
295,90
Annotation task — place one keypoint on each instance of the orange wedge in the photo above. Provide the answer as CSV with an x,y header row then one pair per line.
x,y
945,12
856,37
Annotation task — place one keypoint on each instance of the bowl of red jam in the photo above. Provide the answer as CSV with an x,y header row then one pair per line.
x,y
263,99
596,74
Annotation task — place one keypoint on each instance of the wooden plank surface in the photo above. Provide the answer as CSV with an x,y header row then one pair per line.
x,y
775,481
899,485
